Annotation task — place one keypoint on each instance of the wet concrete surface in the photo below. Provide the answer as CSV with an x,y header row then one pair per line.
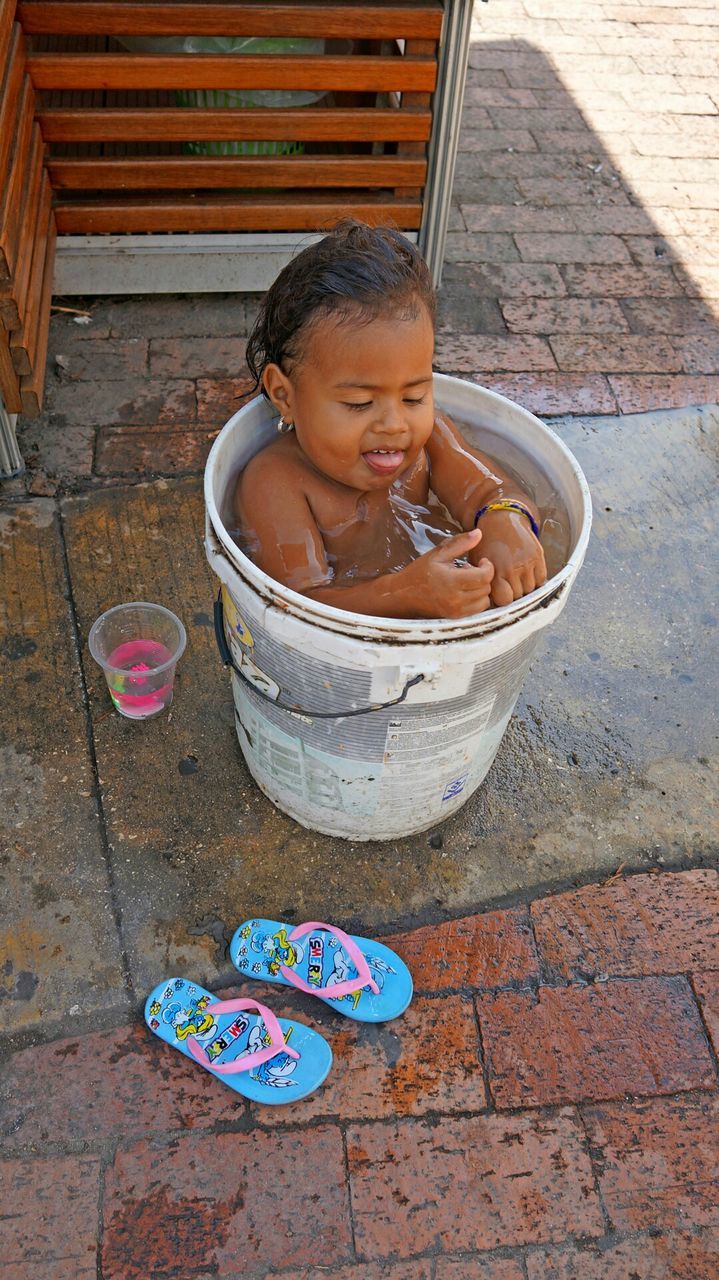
x,y
59,944
610,759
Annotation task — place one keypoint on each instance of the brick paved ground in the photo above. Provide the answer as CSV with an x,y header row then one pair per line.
x,y
582,271
546,1109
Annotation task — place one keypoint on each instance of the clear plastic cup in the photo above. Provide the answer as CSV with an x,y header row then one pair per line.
x,y
138,646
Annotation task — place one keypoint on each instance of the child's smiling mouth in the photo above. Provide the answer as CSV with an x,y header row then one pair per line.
x,y
384,461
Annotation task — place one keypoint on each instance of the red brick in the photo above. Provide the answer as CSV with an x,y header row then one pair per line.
x,y
700,281
642,1037
460,246
581,142
419,1269
475,116
474,1183
700,353
97,1087
132,402
673,1257
533,73
622,282
624,220
623,354
554,393
679,193
522,280
698,222
478,1268
674,144
473,353
638,394
561,248
706,986
127,451
480,95
567,315
99,359
218,399
511,217
646,250
654,118
574,191
233,1203
427,1060
512,59
489,78
644,924
196,357
538,119
496,140
48,1221
485,951
551,169
658,1162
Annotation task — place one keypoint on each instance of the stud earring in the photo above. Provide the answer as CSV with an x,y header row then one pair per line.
x,y
283,427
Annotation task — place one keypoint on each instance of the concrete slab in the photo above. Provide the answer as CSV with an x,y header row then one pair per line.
x,y
59,947
610,759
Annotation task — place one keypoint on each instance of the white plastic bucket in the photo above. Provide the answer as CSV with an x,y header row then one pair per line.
x,y
426,702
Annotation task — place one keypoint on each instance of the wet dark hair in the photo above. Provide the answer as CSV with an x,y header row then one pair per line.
x,y
356,271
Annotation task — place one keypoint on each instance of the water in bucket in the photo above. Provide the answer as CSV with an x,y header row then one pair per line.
x,y
403,530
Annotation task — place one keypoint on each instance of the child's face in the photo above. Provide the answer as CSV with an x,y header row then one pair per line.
x,y
361,397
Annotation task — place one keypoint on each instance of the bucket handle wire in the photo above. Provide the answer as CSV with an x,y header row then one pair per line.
x,y
228,660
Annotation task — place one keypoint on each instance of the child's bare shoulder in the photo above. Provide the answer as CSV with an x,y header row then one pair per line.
x,y
276,480
278,462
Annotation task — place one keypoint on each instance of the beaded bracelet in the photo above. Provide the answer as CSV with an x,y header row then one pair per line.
x,y
507,504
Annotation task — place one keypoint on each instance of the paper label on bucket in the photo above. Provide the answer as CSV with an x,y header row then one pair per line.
x,y
317,777
239,629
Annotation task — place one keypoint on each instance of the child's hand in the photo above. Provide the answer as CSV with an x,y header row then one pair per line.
x,y
516,554
438,587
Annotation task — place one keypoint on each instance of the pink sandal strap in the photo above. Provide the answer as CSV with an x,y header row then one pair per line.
x,y
248,1060
364,977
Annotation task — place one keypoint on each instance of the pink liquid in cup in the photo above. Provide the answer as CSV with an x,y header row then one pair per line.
x,y
137,689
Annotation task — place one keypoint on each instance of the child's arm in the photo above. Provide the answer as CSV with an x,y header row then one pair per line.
x,y
432,586
272,509
466,481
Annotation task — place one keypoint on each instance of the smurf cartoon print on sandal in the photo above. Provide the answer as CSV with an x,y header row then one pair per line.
x,y
360,978
261,1057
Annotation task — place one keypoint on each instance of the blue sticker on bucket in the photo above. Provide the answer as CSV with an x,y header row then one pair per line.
x,y
454,788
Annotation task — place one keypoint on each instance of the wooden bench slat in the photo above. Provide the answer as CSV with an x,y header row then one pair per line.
x,y
206,71
7,17
26,341
36,202
9,103
253,213
371,21
9,385
227,172
11,190
32,386
193,124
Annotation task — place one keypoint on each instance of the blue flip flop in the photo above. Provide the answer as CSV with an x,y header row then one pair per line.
x,y
264,1058
356,976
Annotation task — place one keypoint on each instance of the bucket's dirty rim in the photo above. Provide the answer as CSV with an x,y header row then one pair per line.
x,y
407,629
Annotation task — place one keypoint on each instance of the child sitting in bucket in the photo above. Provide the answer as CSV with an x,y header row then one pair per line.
x,y
370,500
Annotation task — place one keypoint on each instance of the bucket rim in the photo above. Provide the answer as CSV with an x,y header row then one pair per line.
x,y
408,629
